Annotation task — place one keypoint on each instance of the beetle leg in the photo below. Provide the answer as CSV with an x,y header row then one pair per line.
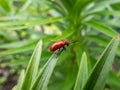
x,y
63,48
59,52
67,44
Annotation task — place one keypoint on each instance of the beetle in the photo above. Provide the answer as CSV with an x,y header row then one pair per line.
x,y
58,45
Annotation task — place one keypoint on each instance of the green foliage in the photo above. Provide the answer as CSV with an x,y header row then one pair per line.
x,y
45,74
96,79
102,28
88,25
82,73
100,71
32,68
21,79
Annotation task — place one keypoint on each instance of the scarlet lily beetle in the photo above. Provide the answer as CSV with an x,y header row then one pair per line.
x,y
59,44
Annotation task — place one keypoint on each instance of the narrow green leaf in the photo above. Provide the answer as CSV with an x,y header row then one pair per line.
x,y
79,52
115,22
4,7
111,12
82,73
27,23
104,3
102,41
64,35
101,69
102,28
21,49
32,68
113,80
43,78
17,44
67,5
16,63
25,5
20,81
15,17
17,50
70,75
80,5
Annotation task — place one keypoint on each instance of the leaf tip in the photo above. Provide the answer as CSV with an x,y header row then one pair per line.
x,y
84,54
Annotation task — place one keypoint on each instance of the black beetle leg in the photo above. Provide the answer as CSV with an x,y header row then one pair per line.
x,y
63,48
67,44
59,52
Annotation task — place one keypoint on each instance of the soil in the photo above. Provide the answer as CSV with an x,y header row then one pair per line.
x,y
11,78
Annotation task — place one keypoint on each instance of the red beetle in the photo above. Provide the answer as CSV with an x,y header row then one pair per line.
x,y
59,44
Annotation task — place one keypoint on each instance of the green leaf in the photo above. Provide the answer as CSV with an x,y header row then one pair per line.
x,y
101,69
32,68
102,41
102,28
42,80
17,44
4,7
82,73
21,49
15,63
115,22
80,6
20,81
25,5
27,23
79,52
70,75
113,80
67,5
111,12
17,17
104,3
64,35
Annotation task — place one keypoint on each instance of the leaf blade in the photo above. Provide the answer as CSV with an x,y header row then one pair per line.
x,y
20,81
82,73
45,74
101,69
102,28
32,68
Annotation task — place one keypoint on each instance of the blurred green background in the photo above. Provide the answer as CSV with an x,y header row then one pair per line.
x,y
88,25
